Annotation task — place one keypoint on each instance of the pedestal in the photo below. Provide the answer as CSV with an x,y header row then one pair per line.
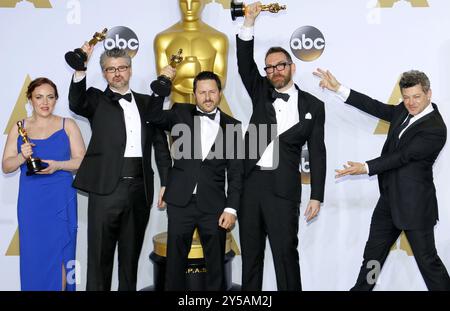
x,y
195,271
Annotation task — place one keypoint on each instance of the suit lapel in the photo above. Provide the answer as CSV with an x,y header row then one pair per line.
x,y
411,128
302,103
141,105
396,124
222,122
110,95
424,118
269,106
192,120
222,131
115,104
220,137
196,134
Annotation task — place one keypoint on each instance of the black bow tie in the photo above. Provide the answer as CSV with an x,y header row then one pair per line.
x,y
117,96
283,96
212,116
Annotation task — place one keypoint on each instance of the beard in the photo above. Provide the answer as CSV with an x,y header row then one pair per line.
x,y
280,83
119,84
208,105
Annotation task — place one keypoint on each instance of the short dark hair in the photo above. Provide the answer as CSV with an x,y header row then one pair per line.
x,y
37,83
114,53
278,49
414,77
207,75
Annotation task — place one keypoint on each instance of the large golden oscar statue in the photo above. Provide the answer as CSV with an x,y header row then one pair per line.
x,y
204,48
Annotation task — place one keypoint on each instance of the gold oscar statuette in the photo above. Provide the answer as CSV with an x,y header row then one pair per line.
x,y
176,59
238,8
204,49
163,85
34,165
77,58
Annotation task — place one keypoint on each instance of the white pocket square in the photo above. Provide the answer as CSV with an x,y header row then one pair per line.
x,y
308,116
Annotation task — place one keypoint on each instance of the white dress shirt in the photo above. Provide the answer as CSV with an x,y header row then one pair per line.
x,y
132,118
208,131
246,33
344,92
208,134
287,116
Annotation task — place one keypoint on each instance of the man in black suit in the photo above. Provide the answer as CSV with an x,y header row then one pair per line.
x,y
405,176
116,170
272,187
206,146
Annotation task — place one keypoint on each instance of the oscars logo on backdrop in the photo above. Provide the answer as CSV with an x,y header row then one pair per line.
x,y
377,6
13,248
224,3
414,3
38,4
395,98
402,243
19,113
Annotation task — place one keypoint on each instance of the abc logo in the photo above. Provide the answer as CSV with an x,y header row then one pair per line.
x,y
304,167
123,38
307,43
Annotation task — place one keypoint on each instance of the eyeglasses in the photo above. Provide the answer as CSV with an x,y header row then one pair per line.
x,y
114,69
279,67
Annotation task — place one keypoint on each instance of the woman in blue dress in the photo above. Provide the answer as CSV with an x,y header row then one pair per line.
x,y
47,203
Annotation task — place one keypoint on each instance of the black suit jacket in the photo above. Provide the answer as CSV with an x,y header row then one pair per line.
x,y
100,169
287,183
405,168
190,170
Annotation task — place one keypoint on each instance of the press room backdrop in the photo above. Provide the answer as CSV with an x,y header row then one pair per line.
x,y
367,44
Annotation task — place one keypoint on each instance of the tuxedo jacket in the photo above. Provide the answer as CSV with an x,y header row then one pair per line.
x,y
189,170
309,129
101,167
405,167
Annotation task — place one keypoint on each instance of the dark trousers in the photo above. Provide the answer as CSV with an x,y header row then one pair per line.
x,y
119,218
383,233
181,224
263,214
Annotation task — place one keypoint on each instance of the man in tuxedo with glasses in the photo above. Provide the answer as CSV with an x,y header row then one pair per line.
x,y
116,170
270,205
